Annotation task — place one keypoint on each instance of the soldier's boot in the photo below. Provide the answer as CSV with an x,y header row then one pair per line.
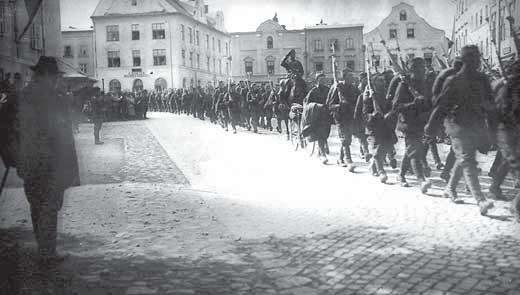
x,y
405,166
453,196
499,176
350,164
383,177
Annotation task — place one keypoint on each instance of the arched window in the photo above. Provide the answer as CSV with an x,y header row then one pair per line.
x,y
269,42
114,86
138,85
402,15
160,84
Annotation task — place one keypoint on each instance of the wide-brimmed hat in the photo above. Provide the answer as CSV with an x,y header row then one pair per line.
x,y
47,64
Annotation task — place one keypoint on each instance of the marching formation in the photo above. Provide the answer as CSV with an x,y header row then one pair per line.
x,y
462,106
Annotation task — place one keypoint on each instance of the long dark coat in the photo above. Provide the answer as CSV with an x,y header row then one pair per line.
x,y
46,141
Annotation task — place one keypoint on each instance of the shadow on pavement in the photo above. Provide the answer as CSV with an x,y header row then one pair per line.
x,y
357,260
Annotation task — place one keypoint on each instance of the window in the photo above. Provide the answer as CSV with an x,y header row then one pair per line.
x,y
183,55
318,45
83,68
227,67
36,40
214,67
318,67
207,41
114,61
270,67
220,67
182,33
393,33
207,63
137,70
198,61
402,15
184,83
67,52
410,33
112,33
481,16
158,31
334,45
159,57
219,47
197,40
190,35
191,59
134,2
135,32
213,43
136,57
351,65
428,59
4,18
249,66
83,50
349,43
114,86
269,42
227,48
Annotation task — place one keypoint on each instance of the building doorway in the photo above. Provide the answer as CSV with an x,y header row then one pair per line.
x,y
138,85
160,84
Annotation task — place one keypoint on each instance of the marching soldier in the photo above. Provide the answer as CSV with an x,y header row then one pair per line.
x,y
508,131
316,121
412,102
381,135
344,95
466,103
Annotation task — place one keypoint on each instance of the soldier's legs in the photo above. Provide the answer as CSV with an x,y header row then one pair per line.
x,y
498,178
378,151
465,153
97,128
254,122
414,150
450,162
497,162
322,150
363,147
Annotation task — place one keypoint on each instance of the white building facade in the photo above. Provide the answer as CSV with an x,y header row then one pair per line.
x,y
260,52
480,22
403,28
43,36
78,50
158,44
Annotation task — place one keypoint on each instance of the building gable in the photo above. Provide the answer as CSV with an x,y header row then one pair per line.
x,y
124,7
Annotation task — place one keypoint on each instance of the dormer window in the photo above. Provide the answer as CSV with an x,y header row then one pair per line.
x,y
402,15
134,2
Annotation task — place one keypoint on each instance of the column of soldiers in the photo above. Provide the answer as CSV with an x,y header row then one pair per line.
x,y
457,106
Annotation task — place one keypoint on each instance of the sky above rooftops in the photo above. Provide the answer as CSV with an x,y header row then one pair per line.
x,y
246,15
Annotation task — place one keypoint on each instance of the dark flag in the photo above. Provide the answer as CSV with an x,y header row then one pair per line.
x,y
32,7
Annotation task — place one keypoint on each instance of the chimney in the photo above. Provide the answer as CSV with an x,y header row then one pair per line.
x,y
206,9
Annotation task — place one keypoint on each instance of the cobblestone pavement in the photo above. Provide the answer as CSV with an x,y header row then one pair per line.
x,y
257,218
